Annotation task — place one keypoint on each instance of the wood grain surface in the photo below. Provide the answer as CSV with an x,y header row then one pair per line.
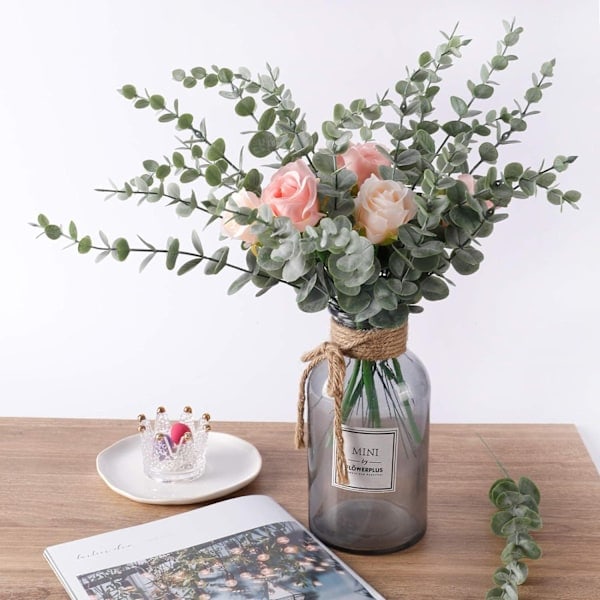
x,y
50,493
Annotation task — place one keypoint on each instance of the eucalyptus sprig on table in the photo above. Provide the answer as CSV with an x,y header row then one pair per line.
x,y
517,515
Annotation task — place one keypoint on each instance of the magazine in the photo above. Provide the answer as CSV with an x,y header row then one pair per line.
x,y
246,547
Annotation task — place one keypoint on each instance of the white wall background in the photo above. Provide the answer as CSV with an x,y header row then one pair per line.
x,y
516,342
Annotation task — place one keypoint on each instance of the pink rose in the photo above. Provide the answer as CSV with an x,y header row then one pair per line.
x,y
381,207
229,227
292,193
469,182
363,160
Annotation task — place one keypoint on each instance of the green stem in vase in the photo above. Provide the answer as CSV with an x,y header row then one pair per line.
x,y
351,392
374,419
406,402
390,389
411,422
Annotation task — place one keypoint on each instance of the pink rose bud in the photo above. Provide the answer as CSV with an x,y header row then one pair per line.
x,y
381,207
292,193
230,227
469,182
363,160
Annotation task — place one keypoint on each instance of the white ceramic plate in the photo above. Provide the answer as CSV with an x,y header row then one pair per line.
x,y
231,463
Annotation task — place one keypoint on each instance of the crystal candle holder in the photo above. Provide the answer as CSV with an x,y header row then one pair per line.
x,y
174,450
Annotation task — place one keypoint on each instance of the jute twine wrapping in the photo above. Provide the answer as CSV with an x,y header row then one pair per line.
x,y
361,344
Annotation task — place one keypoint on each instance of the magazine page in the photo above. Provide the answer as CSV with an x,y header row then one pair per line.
x,y
246,547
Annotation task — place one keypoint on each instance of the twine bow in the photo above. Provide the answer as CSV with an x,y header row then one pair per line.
x,y
371,344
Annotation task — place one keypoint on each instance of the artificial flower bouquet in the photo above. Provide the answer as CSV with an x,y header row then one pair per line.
x,y
369,214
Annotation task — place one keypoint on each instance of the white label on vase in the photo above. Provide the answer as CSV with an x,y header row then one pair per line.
x,y
371,455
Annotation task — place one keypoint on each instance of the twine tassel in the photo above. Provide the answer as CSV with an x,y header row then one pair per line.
x,y
336,372
372,345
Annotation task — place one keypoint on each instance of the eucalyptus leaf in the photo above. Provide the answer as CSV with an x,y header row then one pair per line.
x,y
239,283
216,150
172,254
188,266
120,249
217,261
262,144
434,288
85,245
53,232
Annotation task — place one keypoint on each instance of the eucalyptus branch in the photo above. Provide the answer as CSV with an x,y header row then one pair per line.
x,y
281,108
483,90
184,121
517,515
518,123
406,88
120,250
254,218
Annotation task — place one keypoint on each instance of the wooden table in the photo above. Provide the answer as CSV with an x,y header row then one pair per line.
x,y
50,493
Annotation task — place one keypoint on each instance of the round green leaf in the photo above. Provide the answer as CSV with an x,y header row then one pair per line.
x,y
488,152
211,80
216,150
185,121
499,486
526,486
459,105
262,144
189,175
267,119
533,94
252,180
483,91
212,174
157,102
163,171
530,548
513,171
150,165
499,62
85,245
129,92
245,107
225,75
198,72
120,249
555,196
434,288
53,231
571,196
316,301
178,160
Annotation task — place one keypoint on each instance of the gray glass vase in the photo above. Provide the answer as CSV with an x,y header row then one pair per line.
x,y
385,430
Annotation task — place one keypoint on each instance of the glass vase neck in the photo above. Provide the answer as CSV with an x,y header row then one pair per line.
x,y
347,320
372,344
